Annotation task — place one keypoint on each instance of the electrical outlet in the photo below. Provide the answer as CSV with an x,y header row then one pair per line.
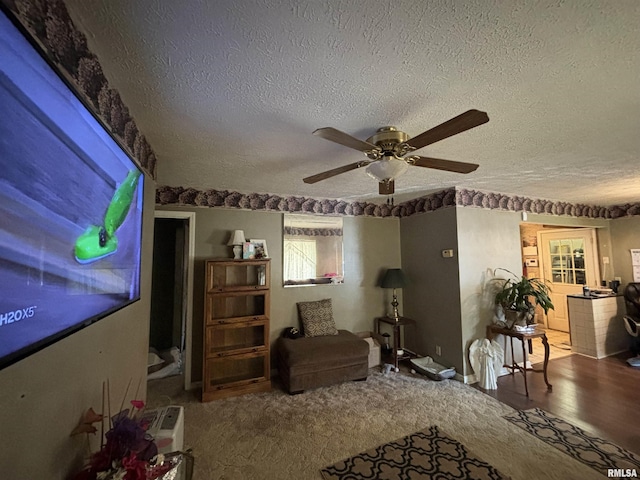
x,y
438,350
605,260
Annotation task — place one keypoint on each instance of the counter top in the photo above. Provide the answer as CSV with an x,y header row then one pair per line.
x,y
595,296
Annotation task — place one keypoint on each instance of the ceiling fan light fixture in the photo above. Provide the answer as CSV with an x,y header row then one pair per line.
x,y
388,168
386,150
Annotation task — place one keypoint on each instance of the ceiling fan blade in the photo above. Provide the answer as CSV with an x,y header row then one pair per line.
x,y
440,164
386,188
329,133
459,124
332,173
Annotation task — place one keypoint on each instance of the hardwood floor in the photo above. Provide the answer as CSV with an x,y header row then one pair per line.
x,y
600,396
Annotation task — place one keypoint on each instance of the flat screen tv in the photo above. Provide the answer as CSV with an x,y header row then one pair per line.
x,y
70,207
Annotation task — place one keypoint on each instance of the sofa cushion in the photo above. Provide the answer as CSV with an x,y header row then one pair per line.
x,y
317,318
343,348
318,361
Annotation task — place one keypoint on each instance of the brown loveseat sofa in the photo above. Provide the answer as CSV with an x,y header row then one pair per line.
x,y
325,355
311,362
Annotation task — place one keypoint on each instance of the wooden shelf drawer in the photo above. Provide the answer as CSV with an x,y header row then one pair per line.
x,y
238,275
235,305
236,370
235,338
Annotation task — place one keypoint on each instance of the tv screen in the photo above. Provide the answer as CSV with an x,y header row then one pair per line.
x,y
70,207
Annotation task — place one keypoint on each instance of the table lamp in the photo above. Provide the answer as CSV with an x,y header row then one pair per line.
x,y
394,278
237,240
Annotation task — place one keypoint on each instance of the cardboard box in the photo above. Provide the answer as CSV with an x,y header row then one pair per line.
x,y
374,347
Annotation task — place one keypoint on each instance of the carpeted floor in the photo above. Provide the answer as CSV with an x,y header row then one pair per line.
x,y
277,436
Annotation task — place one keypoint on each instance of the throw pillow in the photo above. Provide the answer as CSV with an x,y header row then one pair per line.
x,y
317,318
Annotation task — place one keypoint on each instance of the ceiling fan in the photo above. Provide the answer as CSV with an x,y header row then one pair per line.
x,y
386,149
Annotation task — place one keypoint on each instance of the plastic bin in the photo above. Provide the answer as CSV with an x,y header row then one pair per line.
x,y
374,347
431,369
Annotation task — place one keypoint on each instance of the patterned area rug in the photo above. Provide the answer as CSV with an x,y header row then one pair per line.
x,y
423,455
595,452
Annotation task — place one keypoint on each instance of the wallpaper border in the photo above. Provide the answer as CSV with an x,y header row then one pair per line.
x,y
49,25
451,197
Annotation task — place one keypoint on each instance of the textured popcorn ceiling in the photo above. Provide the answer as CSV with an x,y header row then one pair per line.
x,y
228,91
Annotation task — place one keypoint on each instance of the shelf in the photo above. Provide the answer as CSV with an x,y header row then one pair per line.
x,y
235,338
239,305
238,368
238,275
236,328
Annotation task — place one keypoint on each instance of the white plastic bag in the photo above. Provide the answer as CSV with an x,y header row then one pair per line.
x,y
487,358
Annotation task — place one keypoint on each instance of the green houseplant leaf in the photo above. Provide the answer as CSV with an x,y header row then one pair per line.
x,y
522,294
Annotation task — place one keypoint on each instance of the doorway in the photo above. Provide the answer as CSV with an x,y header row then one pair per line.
x,y
170,331
568,262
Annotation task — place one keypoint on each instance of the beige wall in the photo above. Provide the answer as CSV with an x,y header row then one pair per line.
x,y
432,297
450,298
625,235
371,245
487,240
43,396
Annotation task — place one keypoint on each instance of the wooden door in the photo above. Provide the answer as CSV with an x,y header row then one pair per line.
x,y
569,261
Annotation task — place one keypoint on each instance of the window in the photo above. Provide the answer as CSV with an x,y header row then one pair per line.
x,y
567,261
299,259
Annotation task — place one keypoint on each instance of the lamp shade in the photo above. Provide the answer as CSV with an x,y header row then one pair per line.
x,y
394,278
388,168
237,238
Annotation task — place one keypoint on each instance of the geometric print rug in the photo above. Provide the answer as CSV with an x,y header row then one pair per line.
x,y
599,454
423,455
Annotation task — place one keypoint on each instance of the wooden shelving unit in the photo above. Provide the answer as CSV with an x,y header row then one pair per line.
x,y
236,328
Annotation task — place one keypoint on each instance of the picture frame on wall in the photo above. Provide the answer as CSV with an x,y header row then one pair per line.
x,y
260,248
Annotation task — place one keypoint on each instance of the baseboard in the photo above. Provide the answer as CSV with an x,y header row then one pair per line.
x,y
471,379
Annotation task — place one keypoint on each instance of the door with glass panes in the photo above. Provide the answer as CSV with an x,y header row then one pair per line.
x,y
569,261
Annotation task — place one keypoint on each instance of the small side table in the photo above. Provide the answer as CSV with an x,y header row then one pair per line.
x,y
396,324
493,330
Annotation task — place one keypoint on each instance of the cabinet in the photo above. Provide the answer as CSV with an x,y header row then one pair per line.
x,y
236,328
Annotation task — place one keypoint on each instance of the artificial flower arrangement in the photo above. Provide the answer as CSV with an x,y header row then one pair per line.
x,y
127,452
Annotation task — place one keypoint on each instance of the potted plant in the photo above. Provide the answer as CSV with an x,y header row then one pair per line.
x,y
518,297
